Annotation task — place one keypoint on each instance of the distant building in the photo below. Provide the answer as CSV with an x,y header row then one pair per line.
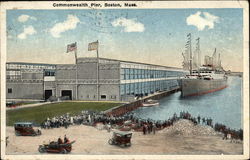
x,y
118,80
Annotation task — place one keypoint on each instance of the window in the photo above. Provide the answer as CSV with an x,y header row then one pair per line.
x,y
127,73
87,96
9,90
143,73
122,89
139,74
127,88
132,88
135,73
49,73
103,96
122,73
131,73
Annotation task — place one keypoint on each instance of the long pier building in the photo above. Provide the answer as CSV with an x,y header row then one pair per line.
x,y
114,80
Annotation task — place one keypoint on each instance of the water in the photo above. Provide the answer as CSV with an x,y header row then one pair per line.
x,y
224,106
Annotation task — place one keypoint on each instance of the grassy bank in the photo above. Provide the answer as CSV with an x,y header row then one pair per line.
x,y
40,113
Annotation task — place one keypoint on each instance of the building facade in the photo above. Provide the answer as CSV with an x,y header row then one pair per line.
x,y
26,80
115,80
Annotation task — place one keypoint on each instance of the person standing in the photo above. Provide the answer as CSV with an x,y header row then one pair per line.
x,y
89,118
154,128
144,129
147,128
199,118
7,141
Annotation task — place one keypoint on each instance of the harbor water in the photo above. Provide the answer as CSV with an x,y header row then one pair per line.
x,y
224,106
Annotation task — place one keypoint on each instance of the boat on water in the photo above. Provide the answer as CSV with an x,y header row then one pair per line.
x,y
204,79
150,103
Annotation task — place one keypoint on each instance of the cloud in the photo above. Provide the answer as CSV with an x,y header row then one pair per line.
x,y
69,24
202,21
130,25
23,18
27,31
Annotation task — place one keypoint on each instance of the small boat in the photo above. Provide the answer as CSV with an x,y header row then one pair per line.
x,y
150,103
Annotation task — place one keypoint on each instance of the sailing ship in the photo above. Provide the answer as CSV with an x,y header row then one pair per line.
x,y
204,79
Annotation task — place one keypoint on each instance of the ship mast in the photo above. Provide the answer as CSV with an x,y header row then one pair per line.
x,y
190,53
214,59
219,61
198,51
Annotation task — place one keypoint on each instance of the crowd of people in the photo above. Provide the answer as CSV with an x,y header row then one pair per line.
x,y
229,133
86,118
147,126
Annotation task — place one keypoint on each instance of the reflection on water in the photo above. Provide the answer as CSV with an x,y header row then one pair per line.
x,y
224,106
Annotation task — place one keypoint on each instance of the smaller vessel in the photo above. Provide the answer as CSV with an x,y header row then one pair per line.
x,y
150,103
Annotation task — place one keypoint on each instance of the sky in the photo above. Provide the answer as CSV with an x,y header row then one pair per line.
x,y
156,36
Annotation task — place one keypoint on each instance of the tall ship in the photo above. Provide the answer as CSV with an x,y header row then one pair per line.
x,y
202,79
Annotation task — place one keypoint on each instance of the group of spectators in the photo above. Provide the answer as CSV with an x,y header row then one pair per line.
x,y
229,133
147,126
196,120
86,118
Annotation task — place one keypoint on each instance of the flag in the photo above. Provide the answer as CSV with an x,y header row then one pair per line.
x,y
71,47
93,46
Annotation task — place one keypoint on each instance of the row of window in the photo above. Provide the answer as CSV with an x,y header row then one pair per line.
x,y
202,72
13,72
132,73
147,87
29,66
13,76
103,96
17,74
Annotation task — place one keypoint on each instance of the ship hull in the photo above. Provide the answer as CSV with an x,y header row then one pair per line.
x,y
196,87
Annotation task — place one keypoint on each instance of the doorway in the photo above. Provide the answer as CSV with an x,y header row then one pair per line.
x,y
67,93
47,94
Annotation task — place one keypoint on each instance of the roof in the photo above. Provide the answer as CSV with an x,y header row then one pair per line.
x,y
130,62
122,132
94,58
27,63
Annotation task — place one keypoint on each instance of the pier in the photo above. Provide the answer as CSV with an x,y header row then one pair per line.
x,y
128,107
